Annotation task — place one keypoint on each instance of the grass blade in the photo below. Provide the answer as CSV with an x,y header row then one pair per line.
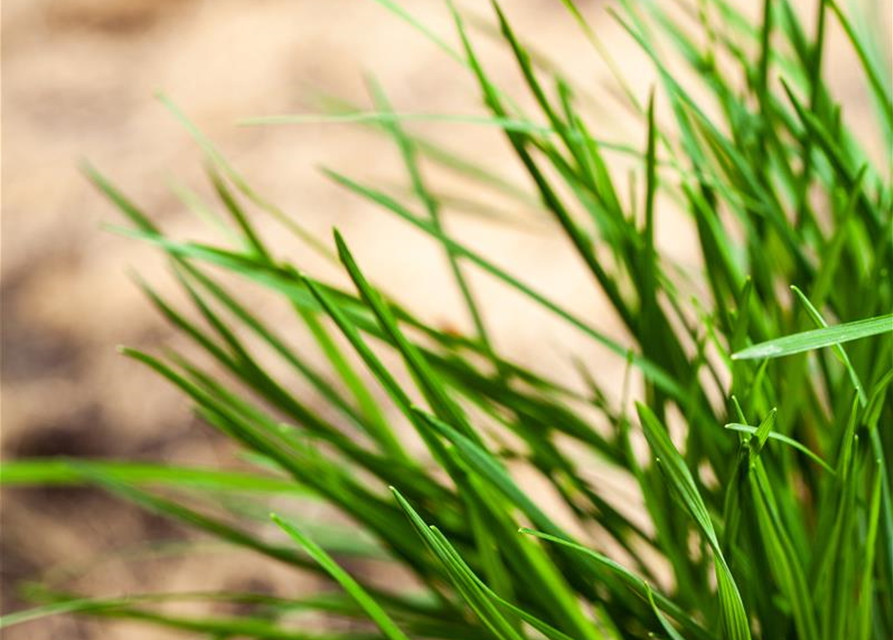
x,y
817,338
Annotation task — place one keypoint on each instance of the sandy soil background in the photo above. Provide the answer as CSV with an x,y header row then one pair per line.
x,y
78,82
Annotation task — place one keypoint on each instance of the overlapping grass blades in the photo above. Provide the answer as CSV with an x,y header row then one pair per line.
x,y
779,525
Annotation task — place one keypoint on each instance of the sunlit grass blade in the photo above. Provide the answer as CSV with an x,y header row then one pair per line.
x,y
817,338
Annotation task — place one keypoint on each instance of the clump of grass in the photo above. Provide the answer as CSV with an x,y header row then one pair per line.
x,y
768,517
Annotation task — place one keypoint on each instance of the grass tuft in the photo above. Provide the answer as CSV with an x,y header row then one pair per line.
x,y
763,507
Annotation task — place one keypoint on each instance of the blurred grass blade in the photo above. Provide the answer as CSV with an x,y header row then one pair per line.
x,y
62,472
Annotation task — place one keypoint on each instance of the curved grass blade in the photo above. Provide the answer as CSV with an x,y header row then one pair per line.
x,y
670,629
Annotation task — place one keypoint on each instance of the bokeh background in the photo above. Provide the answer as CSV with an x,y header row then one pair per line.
x,y
78,79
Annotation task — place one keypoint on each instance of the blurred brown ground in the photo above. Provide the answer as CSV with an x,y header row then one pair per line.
x,y
78,80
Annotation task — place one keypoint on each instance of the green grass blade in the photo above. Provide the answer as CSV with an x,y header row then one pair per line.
x,y
470,590
631,580
817,338
668,628
780,437
351,586
81,605
879,81
783,560
735,620
63,472
838,349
